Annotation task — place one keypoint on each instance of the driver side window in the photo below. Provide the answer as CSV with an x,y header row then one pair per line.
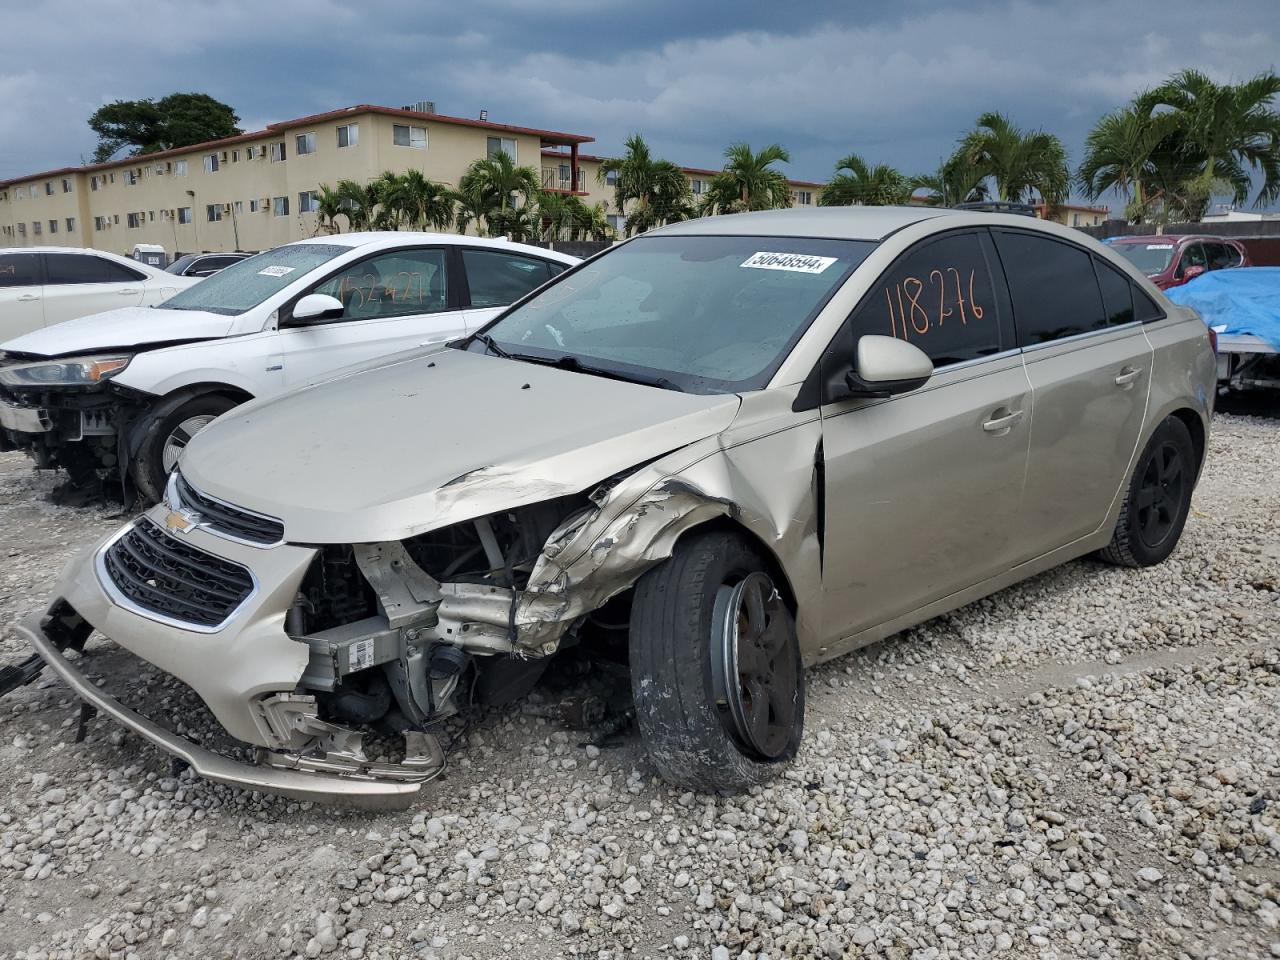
x,y
1193,256
399,283
938,296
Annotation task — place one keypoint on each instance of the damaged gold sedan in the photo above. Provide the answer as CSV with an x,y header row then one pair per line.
x,y
758,441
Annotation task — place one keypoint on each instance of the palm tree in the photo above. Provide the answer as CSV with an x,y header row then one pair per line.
x,y
1021,164
863,184
1221,129
956,181
328,208
496,186
420,201
359,203
749,181
656,190
1118,154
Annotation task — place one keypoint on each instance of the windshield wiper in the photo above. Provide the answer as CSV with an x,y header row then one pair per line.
x,y
488,341
569,362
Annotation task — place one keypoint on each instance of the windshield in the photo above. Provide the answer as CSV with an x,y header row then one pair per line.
x,y
181,264
1150,258
697,313
244,285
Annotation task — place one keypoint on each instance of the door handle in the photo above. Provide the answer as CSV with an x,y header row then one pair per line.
x,y
1002,424
27,298
1127,375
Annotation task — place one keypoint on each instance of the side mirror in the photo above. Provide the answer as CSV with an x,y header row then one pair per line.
x,y
1192,272
884,366
315,307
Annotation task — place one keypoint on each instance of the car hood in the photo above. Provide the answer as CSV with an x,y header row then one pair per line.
x,y
126,327
388,452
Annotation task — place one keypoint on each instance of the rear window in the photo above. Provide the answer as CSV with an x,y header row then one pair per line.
x,y
244,285
1150,258
1054,291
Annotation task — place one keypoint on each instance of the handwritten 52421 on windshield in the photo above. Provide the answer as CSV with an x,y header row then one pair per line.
x,y
919,306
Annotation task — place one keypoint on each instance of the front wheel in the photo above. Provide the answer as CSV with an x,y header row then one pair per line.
x,y
1158,500
716,673
168,435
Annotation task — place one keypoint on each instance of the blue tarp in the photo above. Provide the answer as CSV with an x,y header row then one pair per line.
x,y
1245,300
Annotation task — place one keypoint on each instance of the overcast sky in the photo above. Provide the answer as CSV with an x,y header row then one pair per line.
x,y
897,83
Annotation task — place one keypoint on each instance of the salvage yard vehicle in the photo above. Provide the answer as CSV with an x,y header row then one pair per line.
x,y
204,264
41,286
123,392
1171,260
1242,309
731,448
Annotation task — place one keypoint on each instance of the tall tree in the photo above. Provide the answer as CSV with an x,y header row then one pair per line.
x,y
749,181
657,191
1223,129
414,200
499,188
1022,164
1118,154
857,182
956,181
359,203
328,208
148,126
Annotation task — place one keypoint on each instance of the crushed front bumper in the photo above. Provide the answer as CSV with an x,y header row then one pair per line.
x,y
24,419
299,777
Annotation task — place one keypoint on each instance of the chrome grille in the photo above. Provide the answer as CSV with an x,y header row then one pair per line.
x,y
226,519
164,575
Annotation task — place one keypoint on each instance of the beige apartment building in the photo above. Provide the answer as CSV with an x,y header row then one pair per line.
x,y
257,190
252,191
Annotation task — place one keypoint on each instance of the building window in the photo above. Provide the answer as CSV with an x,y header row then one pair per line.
x,y
22,229
403,135
66,184
505,144
277,152
253,206
238,206
71,224
250,152
348,135
184,214
697,186
235,156
151,216
35,227
804,197
53,226
611,178
213,212
99,223
48,188
134,220
130,177
305,143
179,168
280,206
618,222
308,201
211,163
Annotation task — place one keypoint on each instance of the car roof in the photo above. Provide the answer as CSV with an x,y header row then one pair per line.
x,y
376,239
89,250
836,223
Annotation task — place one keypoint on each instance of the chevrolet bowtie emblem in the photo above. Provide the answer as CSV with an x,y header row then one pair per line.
x,y
181,521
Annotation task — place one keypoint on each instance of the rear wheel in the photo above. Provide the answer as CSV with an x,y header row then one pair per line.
x,y
715,666
168,436
1158,499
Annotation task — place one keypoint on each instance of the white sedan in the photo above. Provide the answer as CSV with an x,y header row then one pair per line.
x,y
123,392
41,286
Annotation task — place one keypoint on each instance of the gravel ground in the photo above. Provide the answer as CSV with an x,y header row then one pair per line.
x,y
1085,765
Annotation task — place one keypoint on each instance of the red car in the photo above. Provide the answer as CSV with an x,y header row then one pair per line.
x,y
1172,260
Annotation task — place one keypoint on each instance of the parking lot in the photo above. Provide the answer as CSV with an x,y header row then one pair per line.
x,y
1082,765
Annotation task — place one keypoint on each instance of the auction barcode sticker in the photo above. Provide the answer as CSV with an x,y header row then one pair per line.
x,y
275,271
794,262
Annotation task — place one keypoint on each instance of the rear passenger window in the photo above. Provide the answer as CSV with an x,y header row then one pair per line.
x,y
497,279
1117,295
1222,255
939,297
19,269
1052,285
1144,308
86,268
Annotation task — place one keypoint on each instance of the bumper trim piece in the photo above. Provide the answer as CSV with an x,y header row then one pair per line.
x,y
294,782
24,419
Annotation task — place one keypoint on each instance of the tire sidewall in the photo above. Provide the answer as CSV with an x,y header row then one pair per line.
x,y
150,472
1171,430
